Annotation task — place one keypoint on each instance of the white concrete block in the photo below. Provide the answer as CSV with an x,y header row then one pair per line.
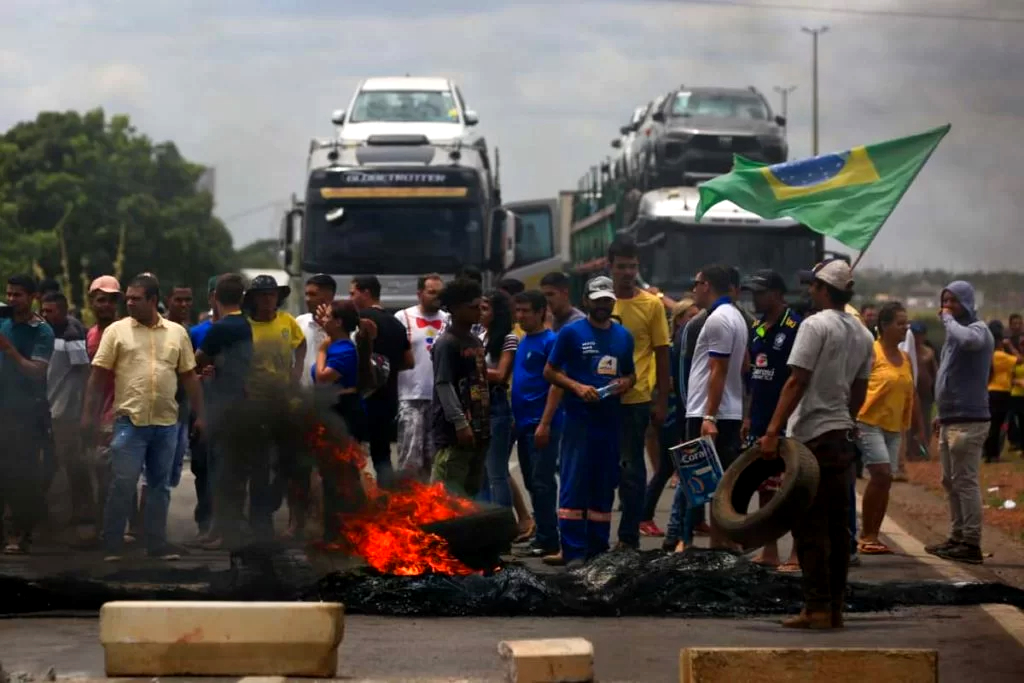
x,y
554,660
168,638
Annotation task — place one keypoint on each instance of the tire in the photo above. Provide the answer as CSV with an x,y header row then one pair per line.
x,y
478,539
741,481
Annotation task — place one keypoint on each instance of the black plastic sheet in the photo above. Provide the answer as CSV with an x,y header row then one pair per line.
x,y
697,583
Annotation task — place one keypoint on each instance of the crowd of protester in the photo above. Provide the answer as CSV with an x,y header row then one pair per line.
x,y
586,398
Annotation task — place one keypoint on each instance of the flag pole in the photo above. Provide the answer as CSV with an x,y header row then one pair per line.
x,y
867,246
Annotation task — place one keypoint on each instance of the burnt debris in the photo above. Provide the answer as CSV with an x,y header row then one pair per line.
x,y
697,583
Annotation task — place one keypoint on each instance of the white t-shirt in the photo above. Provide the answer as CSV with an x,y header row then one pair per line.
x,y
315,336
725,333
837,349
422,330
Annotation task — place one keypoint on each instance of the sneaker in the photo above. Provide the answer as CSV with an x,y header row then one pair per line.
x,y
537,551
855,560
669,544
962,552
936,548
650,529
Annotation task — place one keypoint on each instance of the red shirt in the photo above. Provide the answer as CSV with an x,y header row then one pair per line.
x,y
92,344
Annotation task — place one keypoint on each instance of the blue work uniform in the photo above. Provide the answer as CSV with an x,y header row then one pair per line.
x,y
589,468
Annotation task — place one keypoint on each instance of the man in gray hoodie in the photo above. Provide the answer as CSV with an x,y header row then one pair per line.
x,y
962,396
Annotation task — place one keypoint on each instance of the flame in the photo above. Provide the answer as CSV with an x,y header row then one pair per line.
x,y
387,532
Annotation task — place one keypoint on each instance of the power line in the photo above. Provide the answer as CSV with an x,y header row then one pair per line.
x,y
252,210
899,14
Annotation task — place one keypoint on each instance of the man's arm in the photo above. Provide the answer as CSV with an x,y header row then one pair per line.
x,y
792,393
190,381
858,392
99,380
33,368
970,337
300,362
408,360
719,367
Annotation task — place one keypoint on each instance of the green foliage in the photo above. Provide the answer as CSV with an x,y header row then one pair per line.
x,y
261,254
83,195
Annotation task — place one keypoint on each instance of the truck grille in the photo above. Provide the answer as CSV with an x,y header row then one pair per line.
x,y
726,143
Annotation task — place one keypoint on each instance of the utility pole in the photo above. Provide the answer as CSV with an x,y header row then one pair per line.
x,y
784,92
814,32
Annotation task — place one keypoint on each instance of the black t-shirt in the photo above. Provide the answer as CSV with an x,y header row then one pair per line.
x,y
459,361
392,342
229,345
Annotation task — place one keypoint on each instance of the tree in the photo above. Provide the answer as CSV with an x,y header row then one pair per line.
x,y
261,254
83,196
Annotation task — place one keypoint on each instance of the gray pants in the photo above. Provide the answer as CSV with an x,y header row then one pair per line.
x,y
960,447
415,441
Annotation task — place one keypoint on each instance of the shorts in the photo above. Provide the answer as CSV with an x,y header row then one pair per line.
x,y
878,446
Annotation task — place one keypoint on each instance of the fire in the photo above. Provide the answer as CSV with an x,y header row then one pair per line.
x,y
387,531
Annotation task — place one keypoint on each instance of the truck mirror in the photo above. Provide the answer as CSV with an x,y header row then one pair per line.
x,y
658,116
471,118
616,143
338,117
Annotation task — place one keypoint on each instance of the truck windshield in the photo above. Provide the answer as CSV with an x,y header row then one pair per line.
x,y
404,105
720,106
683,252
369,239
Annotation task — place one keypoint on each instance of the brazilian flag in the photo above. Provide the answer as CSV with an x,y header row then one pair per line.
x,y
846,196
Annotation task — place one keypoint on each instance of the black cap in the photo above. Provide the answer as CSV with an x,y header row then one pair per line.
x,y
267,283
765,280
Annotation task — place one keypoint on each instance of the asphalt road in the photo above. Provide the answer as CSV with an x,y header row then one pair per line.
x,y
972,644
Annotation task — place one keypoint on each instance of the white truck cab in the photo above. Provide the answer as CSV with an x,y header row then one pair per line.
x,y
407,106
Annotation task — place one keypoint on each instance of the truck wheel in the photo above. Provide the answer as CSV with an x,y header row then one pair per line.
x,y
746,474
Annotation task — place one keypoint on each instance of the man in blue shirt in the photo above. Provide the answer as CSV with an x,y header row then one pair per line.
x,y
198,445
538,419
592,362
771,341
26,345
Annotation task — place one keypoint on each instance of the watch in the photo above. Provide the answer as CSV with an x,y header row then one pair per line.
x,y
711,418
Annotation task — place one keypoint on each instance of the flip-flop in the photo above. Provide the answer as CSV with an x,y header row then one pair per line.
x,y
526,534
788,567
759,560
873,548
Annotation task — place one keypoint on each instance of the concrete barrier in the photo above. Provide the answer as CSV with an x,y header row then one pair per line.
x,y
807,665
554,660
168,638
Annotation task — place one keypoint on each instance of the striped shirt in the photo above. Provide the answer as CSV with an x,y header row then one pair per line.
x,y
68,372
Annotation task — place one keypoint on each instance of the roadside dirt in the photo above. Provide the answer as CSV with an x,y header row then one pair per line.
x,y
920,507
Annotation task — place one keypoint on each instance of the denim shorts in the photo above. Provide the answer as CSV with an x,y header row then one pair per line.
x,y
878,446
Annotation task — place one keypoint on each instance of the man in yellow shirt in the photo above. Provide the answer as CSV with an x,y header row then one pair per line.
x,y
278,361
146,356
644,316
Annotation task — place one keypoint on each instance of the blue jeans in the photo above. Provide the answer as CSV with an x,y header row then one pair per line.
x,y
539,467
130,449
179,453
633,481
497,489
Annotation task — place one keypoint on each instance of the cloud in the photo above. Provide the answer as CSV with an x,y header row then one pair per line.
x,y
243,86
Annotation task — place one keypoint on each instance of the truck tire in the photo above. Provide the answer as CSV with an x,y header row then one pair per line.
x,y
479,538
741,481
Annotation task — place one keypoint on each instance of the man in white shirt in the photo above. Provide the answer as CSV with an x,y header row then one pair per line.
x,y
714,402
423,324
320,290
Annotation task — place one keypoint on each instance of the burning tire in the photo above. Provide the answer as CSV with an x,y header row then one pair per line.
x,y
477,539
741,481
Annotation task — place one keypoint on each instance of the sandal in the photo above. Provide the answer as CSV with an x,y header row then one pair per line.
x,y
759,560
873,548
788,568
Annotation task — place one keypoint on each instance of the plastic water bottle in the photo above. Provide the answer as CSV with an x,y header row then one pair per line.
x,y
606,391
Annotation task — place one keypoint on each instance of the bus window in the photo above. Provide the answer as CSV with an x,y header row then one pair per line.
x,y
534,236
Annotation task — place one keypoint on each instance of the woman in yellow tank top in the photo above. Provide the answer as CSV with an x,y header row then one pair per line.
x,y
999,386
887,413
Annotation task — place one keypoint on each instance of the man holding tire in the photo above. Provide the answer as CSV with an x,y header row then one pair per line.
x,y
829,369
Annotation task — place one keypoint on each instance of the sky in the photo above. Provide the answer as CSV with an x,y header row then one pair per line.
x,y
242,85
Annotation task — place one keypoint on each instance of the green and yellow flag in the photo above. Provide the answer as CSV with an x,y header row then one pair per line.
x,y
846,196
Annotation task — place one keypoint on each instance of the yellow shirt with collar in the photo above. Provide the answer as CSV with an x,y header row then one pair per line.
x,y
146,362
644,316
273,354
